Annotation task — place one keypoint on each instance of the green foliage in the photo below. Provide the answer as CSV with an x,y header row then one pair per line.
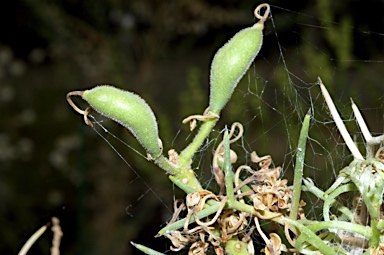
x,y
221,219
51,164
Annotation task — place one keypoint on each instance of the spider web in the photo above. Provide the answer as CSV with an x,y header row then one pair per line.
x,y
273,98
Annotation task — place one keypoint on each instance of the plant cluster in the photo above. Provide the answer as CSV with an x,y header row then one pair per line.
x,y
228,219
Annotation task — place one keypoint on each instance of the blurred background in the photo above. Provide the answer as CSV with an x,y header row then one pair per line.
x,y
52,164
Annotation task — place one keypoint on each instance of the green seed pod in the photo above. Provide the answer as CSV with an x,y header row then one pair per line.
x,y
236,247
232,61
127,109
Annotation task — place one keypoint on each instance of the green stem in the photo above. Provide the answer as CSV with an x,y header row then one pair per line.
x,y
180,223
229,178
146,250
243,207
186,155
228,170
182,176
186,188
374,239
331,198
244,188
310,187
342,225
211,209
298,177
373,209
311,238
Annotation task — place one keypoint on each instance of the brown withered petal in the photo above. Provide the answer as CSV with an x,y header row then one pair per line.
x,y
275,246
178,240
198,248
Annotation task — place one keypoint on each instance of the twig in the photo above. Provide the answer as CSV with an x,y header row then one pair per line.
x,y
340,124
57,235
371,141
28,244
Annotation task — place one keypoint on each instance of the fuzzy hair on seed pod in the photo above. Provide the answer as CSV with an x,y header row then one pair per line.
x,y
231,61
129,110
230,64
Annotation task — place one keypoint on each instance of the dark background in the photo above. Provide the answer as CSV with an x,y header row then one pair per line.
x,y
52,164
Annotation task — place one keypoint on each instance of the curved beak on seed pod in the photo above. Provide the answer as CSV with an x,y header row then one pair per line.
x,y
129,110
232,61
